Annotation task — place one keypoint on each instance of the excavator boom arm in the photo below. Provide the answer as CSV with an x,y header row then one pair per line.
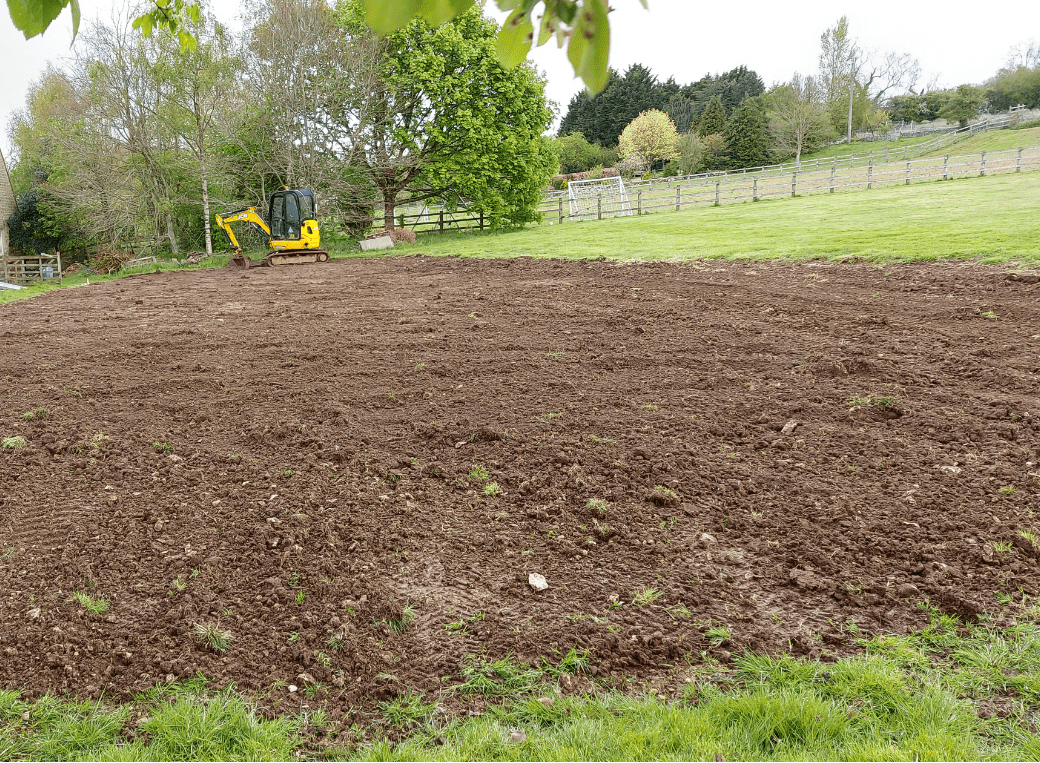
x,y
249,215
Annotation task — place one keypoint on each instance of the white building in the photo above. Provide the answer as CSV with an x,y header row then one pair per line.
x,y
7,208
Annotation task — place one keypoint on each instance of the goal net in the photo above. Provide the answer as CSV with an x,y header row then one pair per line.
x,y
590,198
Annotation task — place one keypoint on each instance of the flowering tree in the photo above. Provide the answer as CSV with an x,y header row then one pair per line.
x,y
651,137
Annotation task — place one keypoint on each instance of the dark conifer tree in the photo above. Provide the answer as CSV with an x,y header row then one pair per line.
x,y
713,120
747,136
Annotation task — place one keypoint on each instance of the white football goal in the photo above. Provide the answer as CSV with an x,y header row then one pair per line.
x,y
603,197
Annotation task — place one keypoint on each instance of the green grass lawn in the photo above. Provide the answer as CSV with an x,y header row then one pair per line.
x,y
993,219
862,148
992,140
949,692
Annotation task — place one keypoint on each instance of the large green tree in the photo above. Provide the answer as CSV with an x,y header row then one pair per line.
x,y
964,103
1014,86
838,63
445,120
713,120
730,87
576,154
747,139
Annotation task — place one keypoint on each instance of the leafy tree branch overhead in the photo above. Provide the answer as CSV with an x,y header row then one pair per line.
x,y
581,26
32,17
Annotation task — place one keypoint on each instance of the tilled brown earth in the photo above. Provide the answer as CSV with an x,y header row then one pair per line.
x,y
353,469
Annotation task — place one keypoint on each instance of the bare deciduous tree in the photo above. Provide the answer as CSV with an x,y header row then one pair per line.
x,y
797,117
309,89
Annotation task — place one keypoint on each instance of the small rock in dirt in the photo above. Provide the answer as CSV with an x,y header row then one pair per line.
x,y
547,701
307,678
33,613
705,539
906,590
537,582
517,737
807,579
293,689
789,427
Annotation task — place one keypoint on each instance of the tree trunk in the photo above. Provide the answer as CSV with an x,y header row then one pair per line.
x,y
171,234
389,201
205,202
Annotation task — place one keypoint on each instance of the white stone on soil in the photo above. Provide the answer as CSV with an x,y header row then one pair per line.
x,y
537,582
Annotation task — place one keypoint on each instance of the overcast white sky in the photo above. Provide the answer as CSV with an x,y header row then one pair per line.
x,y
681,38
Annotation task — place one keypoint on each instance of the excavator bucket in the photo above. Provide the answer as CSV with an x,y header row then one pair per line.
x,y
240,261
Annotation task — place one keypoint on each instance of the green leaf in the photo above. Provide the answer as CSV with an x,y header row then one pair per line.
x,y
589,49
144,23
75,18
187,41
565,10
32,17
546,28
514,39
438,11
385,16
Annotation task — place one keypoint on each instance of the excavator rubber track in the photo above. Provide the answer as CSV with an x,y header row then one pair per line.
x,y
294,257
279,258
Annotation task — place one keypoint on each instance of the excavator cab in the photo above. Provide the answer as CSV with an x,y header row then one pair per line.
x,y
291,228
293,221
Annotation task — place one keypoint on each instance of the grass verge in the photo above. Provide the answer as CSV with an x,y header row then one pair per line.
x,y
948,692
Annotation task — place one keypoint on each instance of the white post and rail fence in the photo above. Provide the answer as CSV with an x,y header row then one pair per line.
x,y
833,175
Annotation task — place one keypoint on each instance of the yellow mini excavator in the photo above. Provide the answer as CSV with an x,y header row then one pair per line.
x,y
291,228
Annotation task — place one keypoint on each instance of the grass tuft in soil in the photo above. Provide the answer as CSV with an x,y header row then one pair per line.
x,y
93,604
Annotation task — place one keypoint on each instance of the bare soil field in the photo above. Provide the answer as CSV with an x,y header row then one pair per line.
x,y
352,469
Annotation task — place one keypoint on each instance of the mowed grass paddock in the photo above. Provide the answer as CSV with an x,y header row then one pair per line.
x,y
989,219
